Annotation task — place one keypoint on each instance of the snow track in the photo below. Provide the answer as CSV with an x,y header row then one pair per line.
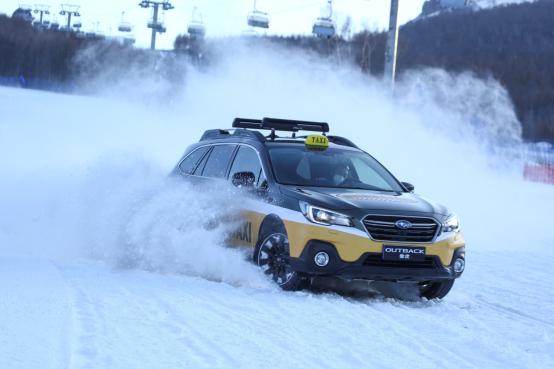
x,y
98,317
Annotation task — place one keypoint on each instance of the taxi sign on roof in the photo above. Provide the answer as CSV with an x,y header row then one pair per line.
x,y
317,142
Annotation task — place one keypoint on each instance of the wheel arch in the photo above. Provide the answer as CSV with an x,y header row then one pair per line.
x,y
272,223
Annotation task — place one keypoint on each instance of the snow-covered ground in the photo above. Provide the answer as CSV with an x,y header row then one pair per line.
x,y
104,263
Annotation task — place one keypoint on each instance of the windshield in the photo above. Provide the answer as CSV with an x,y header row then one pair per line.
x,y
297,165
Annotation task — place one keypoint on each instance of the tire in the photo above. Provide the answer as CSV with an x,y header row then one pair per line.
x,y
272,255
436,289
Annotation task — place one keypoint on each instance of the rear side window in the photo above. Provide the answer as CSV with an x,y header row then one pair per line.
x,y
187,166
218,161
246,161
200,167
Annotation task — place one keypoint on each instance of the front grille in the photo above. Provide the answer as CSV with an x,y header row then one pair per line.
x,y
383,228
376,260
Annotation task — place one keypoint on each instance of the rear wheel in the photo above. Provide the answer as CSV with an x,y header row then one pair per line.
x,y
436,289
272,255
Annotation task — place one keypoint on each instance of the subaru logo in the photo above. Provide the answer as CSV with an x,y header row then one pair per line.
x,y
403,224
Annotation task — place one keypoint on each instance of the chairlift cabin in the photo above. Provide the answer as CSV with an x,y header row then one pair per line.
x,y
196,26
77,24
54,26
125,27
258,19
196,29
324,27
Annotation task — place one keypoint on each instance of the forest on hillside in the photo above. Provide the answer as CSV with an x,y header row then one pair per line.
x,y
513,44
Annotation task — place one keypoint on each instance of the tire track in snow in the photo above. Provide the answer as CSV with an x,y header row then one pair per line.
x,y
87,324
510,312
148,320
204,352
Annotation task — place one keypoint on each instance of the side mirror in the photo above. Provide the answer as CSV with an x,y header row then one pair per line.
x,y
244,179
408,186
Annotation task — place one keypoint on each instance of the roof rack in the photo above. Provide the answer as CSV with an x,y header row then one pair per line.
x,y
215,134
273,125
281,125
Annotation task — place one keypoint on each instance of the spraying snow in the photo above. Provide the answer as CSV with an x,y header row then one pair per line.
x,y
86,200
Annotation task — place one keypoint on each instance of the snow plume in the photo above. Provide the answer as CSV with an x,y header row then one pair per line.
x,y
136,75
127,212
469,108
137,217
89,173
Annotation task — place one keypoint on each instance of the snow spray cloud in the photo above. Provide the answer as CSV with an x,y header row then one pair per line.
x,y
455,136
431,132
137,217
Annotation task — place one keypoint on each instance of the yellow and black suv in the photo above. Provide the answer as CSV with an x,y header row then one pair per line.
x,y
326,208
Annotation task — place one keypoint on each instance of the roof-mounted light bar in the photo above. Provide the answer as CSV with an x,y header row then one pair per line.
x,y
281,125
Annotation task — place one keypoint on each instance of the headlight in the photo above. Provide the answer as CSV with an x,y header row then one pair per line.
x,y
324,216
451,224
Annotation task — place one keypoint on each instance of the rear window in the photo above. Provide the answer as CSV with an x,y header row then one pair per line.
x,y
218,161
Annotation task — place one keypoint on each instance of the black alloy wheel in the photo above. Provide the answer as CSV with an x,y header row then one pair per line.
x,y
272,255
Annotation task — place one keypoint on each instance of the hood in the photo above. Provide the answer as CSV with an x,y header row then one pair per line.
x,y
352,199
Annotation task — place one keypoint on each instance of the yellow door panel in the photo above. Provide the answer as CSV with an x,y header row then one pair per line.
x,y
246,235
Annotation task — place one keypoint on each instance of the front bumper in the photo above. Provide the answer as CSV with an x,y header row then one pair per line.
x,y
370,266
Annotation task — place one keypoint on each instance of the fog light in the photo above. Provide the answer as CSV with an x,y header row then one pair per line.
x,y
321,259
459,265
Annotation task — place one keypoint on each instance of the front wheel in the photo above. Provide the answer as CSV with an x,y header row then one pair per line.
x,y
436,289
272,255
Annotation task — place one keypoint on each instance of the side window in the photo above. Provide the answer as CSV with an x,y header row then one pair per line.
x,y
246,161
218,161
187,166
200,167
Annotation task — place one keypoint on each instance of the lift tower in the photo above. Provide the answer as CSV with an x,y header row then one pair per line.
x,y
392,42
42,10
157,27
69,11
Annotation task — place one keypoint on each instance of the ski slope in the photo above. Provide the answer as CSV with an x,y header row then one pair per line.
x,y
104,263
